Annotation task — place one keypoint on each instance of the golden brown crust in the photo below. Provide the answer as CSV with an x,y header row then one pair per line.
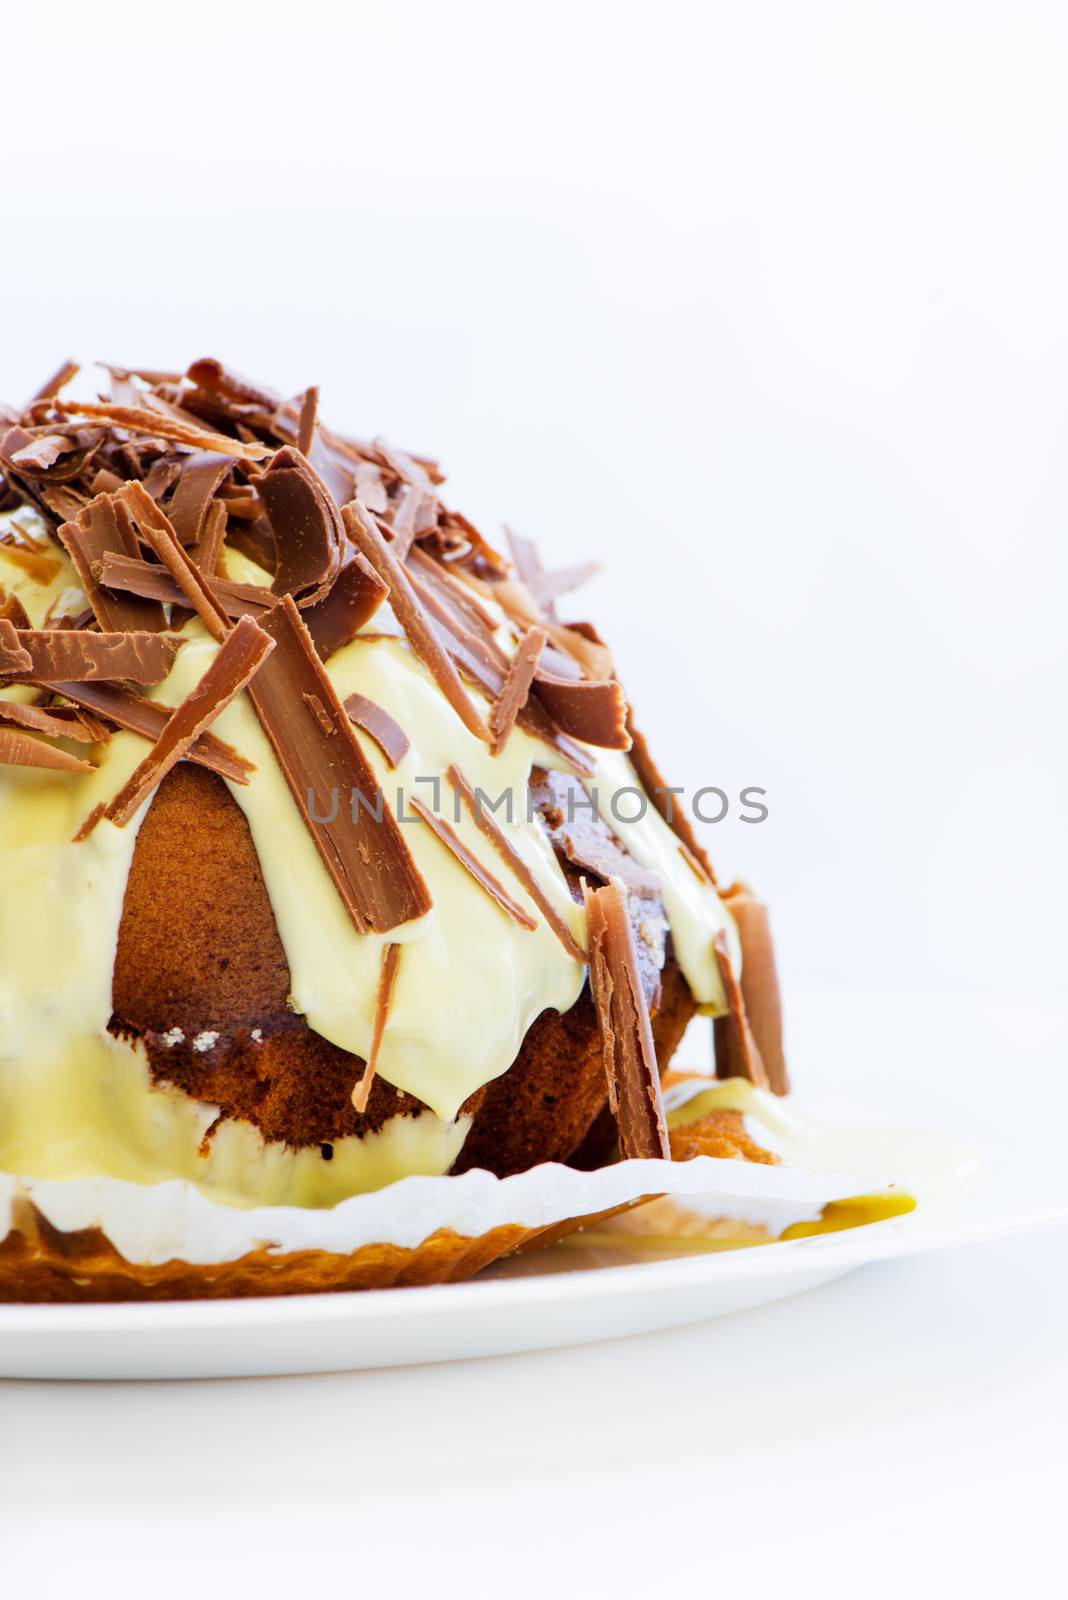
x,y
722,1134
40,1263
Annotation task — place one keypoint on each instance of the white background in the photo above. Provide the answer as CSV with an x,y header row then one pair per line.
x,y
766,307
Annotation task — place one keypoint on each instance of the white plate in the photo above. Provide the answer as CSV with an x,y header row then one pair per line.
x,y
537,1302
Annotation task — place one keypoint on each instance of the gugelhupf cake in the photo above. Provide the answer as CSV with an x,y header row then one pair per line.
x,y
329,854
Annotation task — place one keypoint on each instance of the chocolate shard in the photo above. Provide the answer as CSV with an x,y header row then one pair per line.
x,y
472,865
387,979
360,842
207,552
199,478
387,734
309,418
582,838
156,531
516,687
69,653
240,656
15,659
19,749
104,528
129,710
354,597
483,820
593,712
760,982
144,419
307,526
59,380
652,781
412,617
12,610
623,1019
134,576
207,373
737,1055
57,724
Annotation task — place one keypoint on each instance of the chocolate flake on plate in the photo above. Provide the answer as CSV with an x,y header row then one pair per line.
x,y
623,1018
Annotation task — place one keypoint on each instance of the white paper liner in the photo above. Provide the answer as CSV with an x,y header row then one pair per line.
x,y
149,1224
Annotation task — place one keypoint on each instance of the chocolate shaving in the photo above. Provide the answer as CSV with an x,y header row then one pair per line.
x,y
18,749
136,419
652,781
14,657
129,710
737,1055
240,656
200,477
361,844
134,576
581,836
623,1019
387,978
89,657
57,381
355,596
104,528
307,528
516,687
412,616
369,487
156,531
483,820
12,610
309,416
760,983
387,734
54,723
593,712
471,864
207,552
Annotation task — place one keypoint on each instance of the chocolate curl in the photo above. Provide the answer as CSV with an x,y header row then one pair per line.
x,y
307,528
59,380
15,659
387,978
36,720
594,712
737,1055
499,839
73,653
375,721
309,417
134,576
239,658
103,528
18,749
161,538
148,718
319,756
516,688
199,478
136,419
760,983
354,597
472,865
623,1018
412,617
12,610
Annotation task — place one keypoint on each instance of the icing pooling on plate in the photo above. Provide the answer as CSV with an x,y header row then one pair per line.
x,y
470,982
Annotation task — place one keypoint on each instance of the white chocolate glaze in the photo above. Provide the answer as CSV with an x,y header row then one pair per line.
x,y
470,981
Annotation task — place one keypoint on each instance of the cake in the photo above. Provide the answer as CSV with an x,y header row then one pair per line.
x,y
314,875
